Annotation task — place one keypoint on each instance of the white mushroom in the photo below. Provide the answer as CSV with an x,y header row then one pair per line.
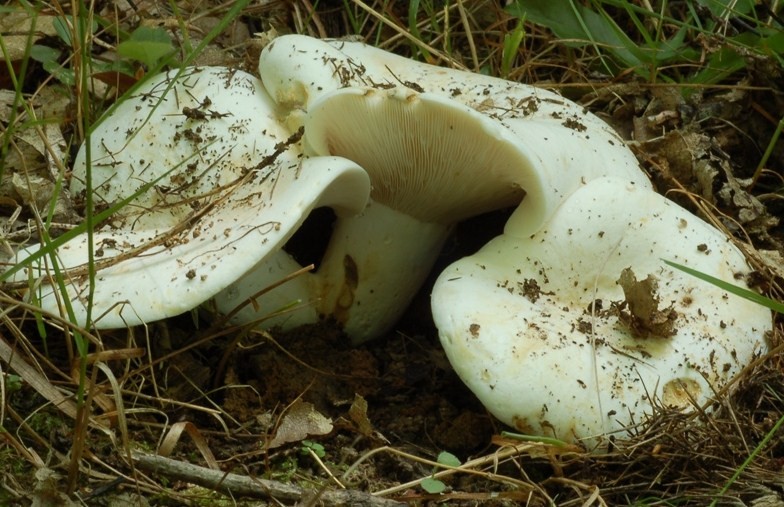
x,y
576,331
433,160
231,186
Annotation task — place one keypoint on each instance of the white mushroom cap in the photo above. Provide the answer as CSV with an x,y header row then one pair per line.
x,y
518,325
192,133
233,188
427,156
297,70
318,83
441,161
365,65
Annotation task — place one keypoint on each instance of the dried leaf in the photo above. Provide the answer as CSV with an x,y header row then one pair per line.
x,y
173,436
358,415
752,214
301,421
16,27
644,317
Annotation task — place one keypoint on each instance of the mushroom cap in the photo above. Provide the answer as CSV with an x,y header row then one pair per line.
x,y
192,132
316,81
296,70
427,156
233,187
441,161
363,64
147,275
518,324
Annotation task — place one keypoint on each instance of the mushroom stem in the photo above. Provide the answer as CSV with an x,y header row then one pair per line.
x,y
375,263
289,304
373,266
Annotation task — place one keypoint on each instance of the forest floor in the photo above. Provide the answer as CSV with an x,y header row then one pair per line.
x,y
181,414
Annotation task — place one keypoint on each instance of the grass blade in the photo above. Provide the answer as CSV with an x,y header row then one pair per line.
x,y
732,289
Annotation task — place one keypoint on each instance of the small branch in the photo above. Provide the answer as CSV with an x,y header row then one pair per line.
x,y
241,485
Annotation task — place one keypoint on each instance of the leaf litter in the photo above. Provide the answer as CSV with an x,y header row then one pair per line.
x,y
701,149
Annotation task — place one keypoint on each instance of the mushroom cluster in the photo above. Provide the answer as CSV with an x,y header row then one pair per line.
x,y
439,146
568,324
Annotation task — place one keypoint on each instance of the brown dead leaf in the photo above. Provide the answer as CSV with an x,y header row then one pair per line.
x,y
677,153
644,317
36,158
187,427
752,214
358,415
19,28
662,113
301,421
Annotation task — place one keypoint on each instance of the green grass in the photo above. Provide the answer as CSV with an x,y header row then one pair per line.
x,y
694,43
752,296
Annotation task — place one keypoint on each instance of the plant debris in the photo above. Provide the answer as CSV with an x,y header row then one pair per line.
x,y
702,109
644,317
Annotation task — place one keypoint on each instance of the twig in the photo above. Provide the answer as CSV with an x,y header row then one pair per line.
x,y
241,485
467,467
